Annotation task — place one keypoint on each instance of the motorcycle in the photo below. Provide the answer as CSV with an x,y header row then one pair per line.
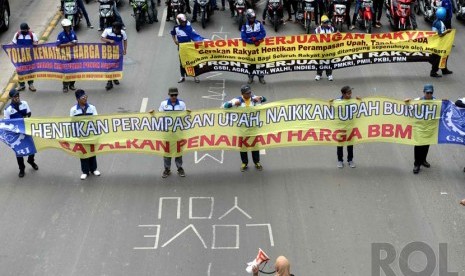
x,y
72,12
106,13
177,7
143,13
274,12
398,14
205,11
239,10
428,9
305,14
461,9
339,14
365,15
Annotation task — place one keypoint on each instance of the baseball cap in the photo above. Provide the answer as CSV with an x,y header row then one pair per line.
x,y
173,91
79,93
24,26
245,88
428,88
346,89
13,93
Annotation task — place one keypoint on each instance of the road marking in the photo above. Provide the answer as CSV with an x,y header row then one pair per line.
x,y
237,208
191,226
443,193
263,152
143,105
236,246
178,209
270,232
209,269
219,160
163,21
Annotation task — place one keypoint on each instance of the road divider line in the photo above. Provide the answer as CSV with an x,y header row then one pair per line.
x,y
143,105
163,21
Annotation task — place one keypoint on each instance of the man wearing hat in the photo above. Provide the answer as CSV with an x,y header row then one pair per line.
x,y
420,152
247,100
19,109
83,108
173,103
25,38
324,28
67,38
346,95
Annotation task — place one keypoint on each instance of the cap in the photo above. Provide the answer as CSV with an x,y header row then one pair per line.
x,y
79,93
346,89
24,26
13,92
324,19
173,91
245,88
428,88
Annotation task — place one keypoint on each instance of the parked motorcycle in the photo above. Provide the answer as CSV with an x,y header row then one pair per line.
x,y
274,12
142,12
239,10
428,9
305,14
461,9
205,11
106,13
72,11
365,15
339,14
177,7
398,14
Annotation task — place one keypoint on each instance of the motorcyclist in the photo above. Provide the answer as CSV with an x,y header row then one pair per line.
x,y
115,11
266,9
83,10
253,32
196,10
111,36
440,28
182,2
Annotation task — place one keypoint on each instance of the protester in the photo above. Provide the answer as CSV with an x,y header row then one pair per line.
x,y
25,37
324,28
247,99
440,28
173,103
447,5
420,152
81,6
83,108
19,109
182,33
378,9
114,35
346,95
282,267
67,38
253,32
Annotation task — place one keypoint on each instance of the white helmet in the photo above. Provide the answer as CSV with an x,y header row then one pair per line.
x,y
181,18
250,14
66,22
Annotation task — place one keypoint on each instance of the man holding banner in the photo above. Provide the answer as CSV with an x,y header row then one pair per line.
x,y
113,35
25,38
67,38
253,32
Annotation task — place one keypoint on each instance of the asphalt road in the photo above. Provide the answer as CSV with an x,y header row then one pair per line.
x,y
130,221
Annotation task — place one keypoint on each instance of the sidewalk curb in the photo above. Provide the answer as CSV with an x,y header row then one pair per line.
x,y
14,77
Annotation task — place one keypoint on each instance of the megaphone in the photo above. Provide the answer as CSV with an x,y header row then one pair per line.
x,y
261,257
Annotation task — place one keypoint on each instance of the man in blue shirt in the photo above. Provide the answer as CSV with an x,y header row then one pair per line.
x,y
253,32
113,35
181,33
67,38
25,38
441,29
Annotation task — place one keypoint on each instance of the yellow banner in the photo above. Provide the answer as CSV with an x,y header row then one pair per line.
x,y
295,122
312,52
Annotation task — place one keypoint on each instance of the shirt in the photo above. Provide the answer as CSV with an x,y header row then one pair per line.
x,y
244,102
87,111
166,105
186,33
64,37
14,111
25,40
109,34
255,30
321,30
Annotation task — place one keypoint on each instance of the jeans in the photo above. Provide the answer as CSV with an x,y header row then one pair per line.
x,y
435,60
167,162
420,153
378,9
88,165
20,160
329,72
340,153
67,84
255,157
29,82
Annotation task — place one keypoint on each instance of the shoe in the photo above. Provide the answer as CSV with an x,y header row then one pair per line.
x,y
250,80
435,75
165,173
352,27
21,88
96,173
90,26
100,29
351,164
21,174
378,25
109,85
330,78
83,176
262,80
33,89
71,86
340,164
244,167
317,77
116,82
181,172
416,169
426,164
34,166
65,89
446,72
182,79
196,80
259,166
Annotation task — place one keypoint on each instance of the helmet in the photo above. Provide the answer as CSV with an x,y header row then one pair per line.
x,y
181,18
441,13
428,88
324,19
66,22
13,93
24,27
250,14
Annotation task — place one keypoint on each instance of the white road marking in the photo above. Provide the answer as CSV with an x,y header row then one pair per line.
x,y
191,226
219,160
236,246
212,203
163,21
443,193
270,232
235,207
209,269
263,152
143,105
178,209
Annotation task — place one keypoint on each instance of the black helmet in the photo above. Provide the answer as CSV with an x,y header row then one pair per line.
x,y
24,27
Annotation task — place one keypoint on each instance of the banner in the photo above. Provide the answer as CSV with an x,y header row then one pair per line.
x,y
282,54
84,61
295,122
